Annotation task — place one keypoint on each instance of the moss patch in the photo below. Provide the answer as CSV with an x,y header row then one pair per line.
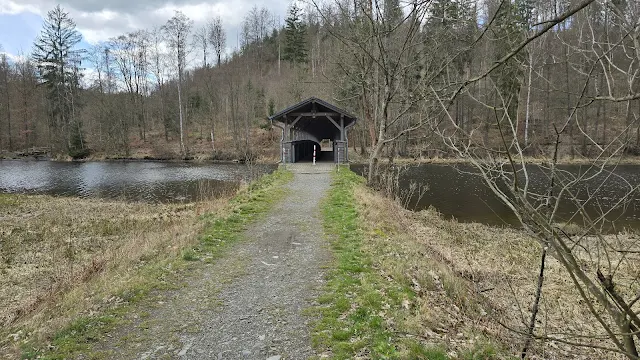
x,y
389,297
357,309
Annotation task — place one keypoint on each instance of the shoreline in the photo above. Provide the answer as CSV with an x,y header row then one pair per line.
x,y
138,159
632,160
359,162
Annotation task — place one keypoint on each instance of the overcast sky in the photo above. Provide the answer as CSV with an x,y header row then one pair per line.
x,y
99,20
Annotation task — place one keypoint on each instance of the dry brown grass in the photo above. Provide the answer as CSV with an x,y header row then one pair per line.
x,y
470,278
60,255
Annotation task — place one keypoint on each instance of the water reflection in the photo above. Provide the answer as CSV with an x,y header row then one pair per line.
x,y
135,181
456,192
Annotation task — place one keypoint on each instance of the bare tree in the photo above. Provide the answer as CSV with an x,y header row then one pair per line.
x,y
217,37
595,263
381,59
177,31
5,71
130,53
201,41
257,25
159,68
27,83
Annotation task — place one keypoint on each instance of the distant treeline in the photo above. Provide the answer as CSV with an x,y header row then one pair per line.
x,y
405,70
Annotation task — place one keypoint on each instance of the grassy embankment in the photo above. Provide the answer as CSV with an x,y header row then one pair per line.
x,y
417,286
71,268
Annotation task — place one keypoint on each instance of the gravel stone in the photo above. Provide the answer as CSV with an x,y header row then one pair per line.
x,y
287,251
248,304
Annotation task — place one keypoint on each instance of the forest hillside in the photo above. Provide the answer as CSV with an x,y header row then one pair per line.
x,y
414,73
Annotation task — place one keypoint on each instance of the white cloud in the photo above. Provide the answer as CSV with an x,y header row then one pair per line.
x,y
14,8
13,57
99,20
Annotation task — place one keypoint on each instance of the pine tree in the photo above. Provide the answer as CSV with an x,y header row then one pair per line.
x,y
510,27
295,37
58,65
392,13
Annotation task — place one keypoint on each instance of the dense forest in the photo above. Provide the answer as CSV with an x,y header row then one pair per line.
x,y
411,71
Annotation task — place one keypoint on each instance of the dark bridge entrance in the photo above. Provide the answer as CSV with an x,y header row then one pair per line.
x,y
310,122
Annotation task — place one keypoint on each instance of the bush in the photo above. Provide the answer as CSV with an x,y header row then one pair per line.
x,y
633,150
77,154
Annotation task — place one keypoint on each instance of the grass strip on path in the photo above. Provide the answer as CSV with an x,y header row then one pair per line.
x,y
220,231
390,295
357,311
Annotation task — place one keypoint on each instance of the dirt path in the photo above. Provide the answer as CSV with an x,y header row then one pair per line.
x,y
250,304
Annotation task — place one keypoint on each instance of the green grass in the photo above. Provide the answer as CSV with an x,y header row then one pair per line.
x,y
363,311
219,233
8,200
358,304
189,255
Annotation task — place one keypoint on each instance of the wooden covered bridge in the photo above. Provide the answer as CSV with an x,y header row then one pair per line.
x,y
307,124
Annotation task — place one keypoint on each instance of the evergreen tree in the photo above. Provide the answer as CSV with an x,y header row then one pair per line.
x,y
58,66
509,31
443,13
295,37
392,13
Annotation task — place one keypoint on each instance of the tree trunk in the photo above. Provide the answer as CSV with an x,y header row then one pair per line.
x,y
604,123
8,107
373,161
546,104
566,68
377,149
528,104
182,149
163,113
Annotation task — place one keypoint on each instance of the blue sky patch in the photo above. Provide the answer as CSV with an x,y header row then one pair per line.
x,y
17,32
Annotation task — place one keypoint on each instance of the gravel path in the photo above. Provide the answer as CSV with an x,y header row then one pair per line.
x,y
249,304
262,312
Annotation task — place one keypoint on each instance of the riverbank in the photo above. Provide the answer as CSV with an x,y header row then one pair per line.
x,y
212,157
267,155
71,266
263,149
415,285
564,160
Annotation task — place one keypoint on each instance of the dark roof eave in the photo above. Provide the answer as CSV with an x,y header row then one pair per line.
x,y
310,100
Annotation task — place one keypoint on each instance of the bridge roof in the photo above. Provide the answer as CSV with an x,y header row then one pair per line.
x,y
312,108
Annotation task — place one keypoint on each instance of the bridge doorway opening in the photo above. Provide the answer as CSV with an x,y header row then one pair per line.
x,y
310,123
304,151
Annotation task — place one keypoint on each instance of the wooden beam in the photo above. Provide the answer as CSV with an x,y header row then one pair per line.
x,y
315,114
334,123
296,121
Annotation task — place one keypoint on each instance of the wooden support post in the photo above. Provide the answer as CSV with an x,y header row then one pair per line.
x,y
287,132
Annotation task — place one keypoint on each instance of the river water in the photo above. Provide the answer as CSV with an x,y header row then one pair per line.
x,y
457,193
453,190
135,181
